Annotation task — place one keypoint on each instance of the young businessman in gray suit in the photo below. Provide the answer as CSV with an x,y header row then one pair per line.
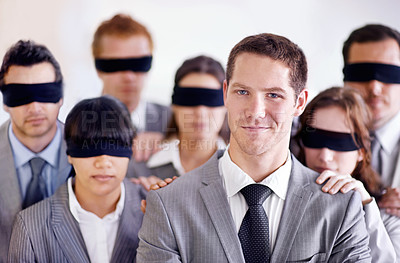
x,y
31,83
95,216
255,202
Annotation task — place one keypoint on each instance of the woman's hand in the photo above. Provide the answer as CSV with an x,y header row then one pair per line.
x,y
342,182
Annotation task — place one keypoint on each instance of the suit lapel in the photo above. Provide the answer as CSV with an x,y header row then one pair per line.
x,y
66,228
215,200
294,209
10,192
64,168
127,239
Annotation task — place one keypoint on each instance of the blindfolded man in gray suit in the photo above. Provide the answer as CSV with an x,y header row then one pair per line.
x,y
255,202
123,52
372,65
33,162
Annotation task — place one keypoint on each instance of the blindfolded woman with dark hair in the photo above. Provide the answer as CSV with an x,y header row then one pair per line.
x,y
194,133
95,216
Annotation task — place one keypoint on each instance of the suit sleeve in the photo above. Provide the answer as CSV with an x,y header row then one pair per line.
x,y
157,241
351,244
382,249
392,225
21,249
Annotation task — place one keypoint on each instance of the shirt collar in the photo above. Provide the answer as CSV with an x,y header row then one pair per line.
x,y
76,208
389,134
22,154
170,154
235,178
138,116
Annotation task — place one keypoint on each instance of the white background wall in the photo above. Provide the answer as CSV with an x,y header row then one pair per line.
x,y
183,29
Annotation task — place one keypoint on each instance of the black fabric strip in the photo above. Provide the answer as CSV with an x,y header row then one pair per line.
x,y
361,72
195,96
142,64
99,147
337,141
15,94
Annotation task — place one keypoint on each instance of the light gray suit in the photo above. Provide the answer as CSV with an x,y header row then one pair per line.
x,y
48,232
396,174
190,221
10,193
157,119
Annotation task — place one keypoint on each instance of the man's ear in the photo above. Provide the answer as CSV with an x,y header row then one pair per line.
x,y
5,108
225,89
301,102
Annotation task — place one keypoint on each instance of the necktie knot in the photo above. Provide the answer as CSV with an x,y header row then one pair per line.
x,y
255,194
36,164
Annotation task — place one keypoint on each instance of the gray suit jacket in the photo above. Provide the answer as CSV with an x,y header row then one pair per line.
x,y
157,119
396,174
10,193
48,232
194,222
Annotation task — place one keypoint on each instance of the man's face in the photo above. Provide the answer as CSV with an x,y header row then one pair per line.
x,y
124,85
36,119
261,105
382,98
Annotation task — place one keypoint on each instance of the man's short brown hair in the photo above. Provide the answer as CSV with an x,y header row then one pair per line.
x,y
277,48
120,25
369,33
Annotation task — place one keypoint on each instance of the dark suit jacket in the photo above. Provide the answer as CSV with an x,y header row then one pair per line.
x,y
10,193
195,224
157,119
48,232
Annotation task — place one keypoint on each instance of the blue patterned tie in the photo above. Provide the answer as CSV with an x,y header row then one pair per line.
x,y
37,187
254,231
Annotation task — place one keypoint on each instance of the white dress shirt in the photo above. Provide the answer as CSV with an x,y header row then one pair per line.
x,y
99,234
170,154
389,138
235,179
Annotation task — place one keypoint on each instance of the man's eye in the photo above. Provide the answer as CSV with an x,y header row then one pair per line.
x,y
273,95
242,92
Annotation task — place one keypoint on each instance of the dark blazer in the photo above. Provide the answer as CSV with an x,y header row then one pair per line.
x,y
195,224
48,232
10,193
157,119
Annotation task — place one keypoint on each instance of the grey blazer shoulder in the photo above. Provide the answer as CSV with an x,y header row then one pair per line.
x,y
157,117
48,232
10,193
194,222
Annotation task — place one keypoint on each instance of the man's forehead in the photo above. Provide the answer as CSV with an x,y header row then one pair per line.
x,y
253,67
385,51
112,46
38,73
